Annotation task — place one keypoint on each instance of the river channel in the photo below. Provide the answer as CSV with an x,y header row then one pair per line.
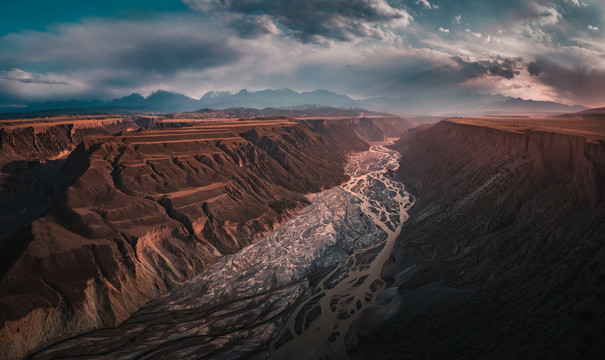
x,y
291,295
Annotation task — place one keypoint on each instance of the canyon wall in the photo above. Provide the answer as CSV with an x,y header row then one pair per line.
x,y
354,133
32,152
38,140
502,256
142,212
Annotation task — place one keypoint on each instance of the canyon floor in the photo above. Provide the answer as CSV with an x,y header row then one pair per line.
x,y
293,294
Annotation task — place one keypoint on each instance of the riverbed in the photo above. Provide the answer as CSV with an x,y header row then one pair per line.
x,y
293,294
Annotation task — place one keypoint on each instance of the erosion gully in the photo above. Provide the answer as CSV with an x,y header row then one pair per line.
x,y
294,294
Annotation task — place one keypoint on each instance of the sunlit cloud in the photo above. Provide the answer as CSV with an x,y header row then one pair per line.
x,y
318,20
427,5
361,48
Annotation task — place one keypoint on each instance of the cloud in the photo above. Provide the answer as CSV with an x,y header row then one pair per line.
x,y
28,78
99,58
577,3
543,15
249,27
375,48
408,72
318,20
426,4
142,48
475,34
507,68
579,83
593,28
18,87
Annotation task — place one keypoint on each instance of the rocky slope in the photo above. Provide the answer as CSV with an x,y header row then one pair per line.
x,y
503,254
143,212
32,152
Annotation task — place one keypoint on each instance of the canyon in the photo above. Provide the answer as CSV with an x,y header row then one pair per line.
x,y
290,295
253,234
302,180
130,215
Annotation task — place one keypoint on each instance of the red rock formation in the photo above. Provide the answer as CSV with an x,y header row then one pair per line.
x,y
146,211
30,178
38,140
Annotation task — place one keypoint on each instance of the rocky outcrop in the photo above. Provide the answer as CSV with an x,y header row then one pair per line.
x,y
32,152
39,140
502,256
143,212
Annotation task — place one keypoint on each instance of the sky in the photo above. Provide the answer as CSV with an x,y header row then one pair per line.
x,y
534,49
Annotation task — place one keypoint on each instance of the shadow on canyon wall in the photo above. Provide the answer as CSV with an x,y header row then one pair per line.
x,y
503,255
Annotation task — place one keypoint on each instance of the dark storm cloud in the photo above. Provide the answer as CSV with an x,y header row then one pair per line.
x,y
251,27
507,68
409,72
448,76
535,68
95,58
579,83
138,49
168,55
315,20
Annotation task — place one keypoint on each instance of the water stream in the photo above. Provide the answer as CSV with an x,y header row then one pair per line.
x,y
291,295
318,325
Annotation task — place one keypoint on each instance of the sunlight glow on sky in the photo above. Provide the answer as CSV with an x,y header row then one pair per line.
x,y
534,49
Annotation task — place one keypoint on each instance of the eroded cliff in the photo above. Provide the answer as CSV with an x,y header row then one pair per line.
x,y
32,152
354,133
48,138
502,256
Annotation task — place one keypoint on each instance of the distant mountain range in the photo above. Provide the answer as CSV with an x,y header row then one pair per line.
x,y
161,101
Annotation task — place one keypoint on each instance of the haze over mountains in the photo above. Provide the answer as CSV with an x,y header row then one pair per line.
x,y
462,104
